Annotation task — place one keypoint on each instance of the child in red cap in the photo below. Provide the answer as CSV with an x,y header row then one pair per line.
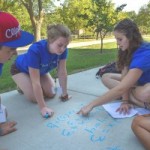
x,y
11,37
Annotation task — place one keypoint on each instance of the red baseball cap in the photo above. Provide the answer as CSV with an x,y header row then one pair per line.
x,y
11,34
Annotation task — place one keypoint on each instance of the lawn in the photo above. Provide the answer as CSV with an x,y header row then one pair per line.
x,y
84,58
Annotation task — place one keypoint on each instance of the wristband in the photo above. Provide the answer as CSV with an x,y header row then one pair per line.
x,y
64,98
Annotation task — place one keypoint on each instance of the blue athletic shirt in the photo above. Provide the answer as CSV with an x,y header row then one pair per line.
x,y
1,67
39,57
141,60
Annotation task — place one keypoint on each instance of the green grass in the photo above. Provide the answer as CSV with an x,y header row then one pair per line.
x,y
90,57
6,82
79,59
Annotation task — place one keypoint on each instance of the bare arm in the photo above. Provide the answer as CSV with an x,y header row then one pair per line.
x,y
37,89
38,93
125,96
62,75
128,81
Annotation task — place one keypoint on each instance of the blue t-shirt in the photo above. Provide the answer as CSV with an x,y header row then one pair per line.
x,y
141,60
1,67
39,57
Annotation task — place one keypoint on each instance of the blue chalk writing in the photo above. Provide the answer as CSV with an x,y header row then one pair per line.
x,y
62,118
97,139
97,129
66,132
113,148
51,125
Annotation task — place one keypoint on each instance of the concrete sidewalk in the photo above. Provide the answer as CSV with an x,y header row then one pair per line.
x,y
66,130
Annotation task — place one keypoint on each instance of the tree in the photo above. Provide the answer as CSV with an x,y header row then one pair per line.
x,y
5,5
120,8
74,13
103,18
36,10
142,21
19,12
36,17
132,15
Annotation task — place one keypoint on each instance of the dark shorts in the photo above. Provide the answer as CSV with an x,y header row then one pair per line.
x,y
14,70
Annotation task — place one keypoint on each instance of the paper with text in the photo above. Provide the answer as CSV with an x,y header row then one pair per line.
x,y
2,114
112,107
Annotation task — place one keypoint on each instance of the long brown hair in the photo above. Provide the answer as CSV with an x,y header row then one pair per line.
x,y
131,31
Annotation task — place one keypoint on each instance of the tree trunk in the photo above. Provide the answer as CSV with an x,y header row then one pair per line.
x,y
37,31
35,20
97,35
101,37
101,45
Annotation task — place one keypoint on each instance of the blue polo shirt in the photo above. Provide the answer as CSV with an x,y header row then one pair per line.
x,y
141,60
39,57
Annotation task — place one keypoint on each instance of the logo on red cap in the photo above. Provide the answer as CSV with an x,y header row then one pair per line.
x,y
12,32
9,27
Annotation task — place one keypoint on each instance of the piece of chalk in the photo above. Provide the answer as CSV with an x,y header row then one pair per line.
x,y
46,115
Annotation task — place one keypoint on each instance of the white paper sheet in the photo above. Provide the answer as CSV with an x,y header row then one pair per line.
x,y
142,111
2,114
112,107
